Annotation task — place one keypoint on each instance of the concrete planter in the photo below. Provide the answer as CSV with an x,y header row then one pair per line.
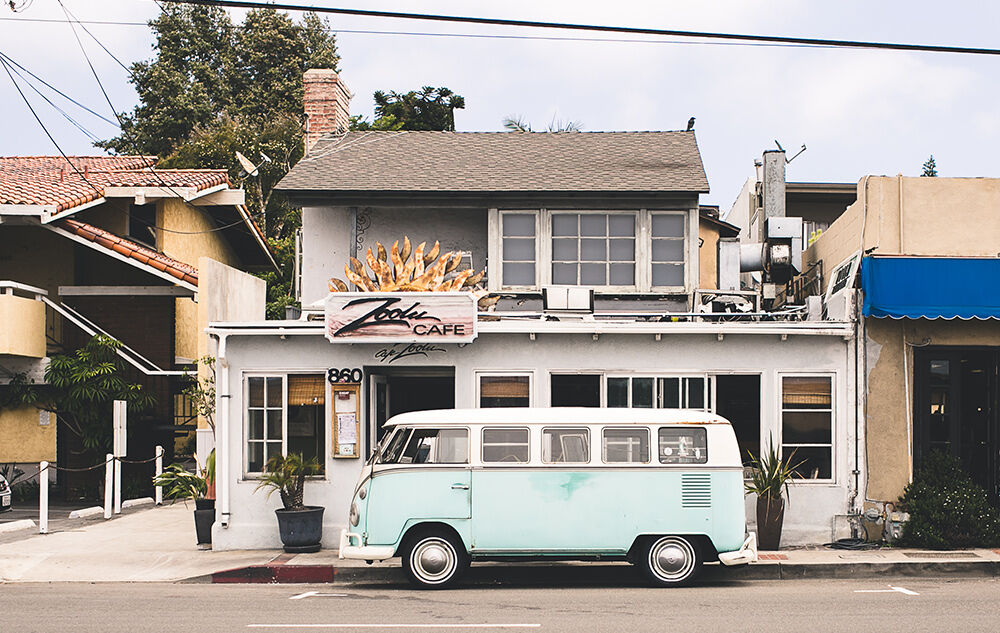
x,y
770,516
204,517
301,530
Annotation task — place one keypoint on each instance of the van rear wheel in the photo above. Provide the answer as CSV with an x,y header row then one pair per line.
x,y
671,561
435,560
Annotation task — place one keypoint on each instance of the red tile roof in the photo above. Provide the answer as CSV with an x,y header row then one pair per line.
x,y
52,181
130,249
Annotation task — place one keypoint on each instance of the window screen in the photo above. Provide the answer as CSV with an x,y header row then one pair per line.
x,y
518,249
593,249
668,244
505,445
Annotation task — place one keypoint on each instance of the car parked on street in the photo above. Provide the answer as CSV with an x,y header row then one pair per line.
x,y
6,497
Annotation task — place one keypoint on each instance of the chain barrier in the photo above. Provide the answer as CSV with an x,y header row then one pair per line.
x,y
104,464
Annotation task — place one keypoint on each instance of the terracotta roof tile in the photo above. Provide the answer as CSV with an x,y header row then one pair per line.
x,y
130,249
491,162
52,181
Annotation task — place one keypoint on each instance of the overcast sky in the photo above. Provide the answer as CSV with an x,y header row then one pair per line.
x,y
859,112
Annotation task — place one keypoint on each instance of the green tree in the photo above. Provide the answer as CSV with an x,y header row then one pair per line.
x,y
81,389
518,123
429,109
214,88
930,168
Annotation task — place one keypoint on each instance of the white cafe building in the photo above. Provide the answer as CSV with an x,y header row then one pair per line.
x,y
594,249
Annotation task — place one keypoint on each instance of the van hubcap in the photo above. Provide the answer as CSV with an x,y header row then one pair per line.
x,y
672,558
433,560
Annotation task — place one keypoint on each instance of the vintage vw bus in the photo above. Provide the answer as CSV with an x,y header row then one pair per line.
x,y
660,488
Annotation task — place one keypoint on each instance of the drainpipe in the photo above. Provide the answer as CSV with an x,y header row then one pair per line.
x,y
223,465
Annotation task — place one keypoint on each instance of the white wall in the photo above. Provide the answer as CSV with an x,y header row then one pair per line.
x,y
326,248
808,517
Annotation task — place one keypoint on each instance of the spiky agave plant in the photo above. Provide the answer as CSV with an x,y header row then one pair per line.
x,y
410,270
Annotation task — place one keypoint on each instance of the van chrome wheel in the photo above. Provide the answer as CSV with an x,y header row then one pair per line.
x,y
434,561
672,560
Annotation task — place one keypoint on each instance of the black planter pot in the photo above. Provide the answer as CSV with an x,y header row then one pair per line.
x,y
301,530
204,517
770,516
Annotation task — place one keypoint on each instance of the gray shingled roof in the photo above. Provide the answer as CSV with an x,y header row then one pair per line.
x,y
502,162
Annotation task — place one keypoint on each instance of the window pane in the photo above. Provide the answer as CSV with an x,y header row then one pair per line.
x,y
668,225
806,392
622,274
306,411
565,446
256,424
437,446
274,395
504,391
272,449
695,393
274,424
519,274
642,393
306,389
670,393
594,224
668,274
622,250
626,446
565,224
683,446
564,249
564,274
816,462
394,449
255,457
453,446
805,427
518,249
256,388
593,274
621,224
617,392
593,250
668,250
519,224
505,445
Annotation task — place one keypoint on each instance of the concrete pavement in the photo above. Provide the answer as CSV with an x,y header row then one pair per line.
x,y
158,545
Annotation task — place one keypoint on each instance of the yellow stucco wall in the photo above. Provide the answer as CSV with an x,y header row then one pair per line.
x,y
22,332
196,239
36,257
708,254
24,439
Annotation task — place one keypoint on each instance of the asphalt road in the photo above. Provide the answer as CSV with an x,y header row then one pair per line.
x,y
909,605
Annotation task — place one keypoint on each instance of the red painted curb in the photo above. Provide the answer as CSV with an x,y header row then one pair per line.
x,y
276,574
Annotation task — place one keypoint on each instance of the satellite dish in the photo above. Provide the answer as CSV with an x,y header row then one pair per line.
x,y
246,164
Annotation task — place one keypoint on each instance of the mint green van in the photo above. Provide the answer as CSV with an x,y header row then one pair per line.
x,y
660,488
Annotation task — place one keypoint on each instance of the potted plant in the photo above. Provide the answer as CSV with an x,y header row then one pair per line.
x,y
769,477
300,526
179,483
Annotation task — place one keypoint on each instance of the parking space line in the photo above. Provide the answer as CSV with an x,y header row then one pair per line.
x,y
369,625
316,594
891,589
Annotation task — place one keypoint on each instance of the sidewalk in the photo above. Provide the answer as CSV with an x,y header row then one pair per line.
x,y
158,545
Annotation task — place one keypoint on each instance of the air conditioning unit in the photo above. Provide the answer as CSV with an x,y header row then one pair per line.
x,y
567,299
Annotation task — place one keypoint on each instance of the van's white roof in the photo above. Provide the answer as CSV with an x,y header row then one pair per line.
x,y
555,415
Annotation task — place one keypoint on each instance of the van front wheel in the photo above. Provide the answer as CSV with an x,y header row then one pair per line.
x,y
671,561
435,561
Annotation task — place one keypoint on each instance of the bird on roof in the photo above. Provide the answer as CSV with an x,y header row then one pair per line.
x,y
690,124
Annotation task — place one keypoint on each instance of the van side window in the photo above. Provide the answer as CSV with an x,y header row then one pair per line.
x,y
625,446
436,446
394,447
505,445
566,446
683,445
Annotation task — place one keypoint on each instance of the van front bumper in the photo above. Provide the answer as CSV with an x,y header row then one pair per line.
x,y
362,552
746,554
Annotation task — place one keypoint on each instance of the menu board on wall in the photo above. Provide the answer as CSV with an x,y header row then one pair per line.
x,y
346,420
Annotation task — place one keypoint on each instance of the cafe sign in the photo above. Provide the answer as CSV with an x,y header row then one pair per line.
x,y
401,317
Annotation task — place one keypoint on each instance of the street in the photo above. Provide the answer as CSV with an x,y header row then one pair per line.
x,y
887,605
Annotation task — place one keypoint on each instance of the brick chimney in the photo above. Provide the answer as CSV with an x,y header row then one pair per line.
x,y
327,104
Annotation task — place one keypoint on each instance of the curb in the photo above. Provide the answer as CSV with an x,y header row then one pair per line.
x,y
14,526
87,512
595,574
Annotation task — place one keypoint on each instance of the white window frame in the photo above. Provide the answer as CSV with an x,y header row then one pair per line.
x,y
245,405
708,389
643,249
833,423
477,387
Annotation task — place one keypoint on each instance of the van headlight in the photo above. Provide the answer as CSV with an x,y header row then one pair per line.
x,y
355,515
362,493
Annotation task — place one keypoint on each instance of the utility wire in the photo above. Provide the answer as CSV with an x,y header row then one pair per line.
x,y
56,90
928,48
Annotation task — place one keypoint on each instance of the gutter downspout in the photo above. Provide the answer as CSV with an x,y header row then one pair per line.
x,y
223,465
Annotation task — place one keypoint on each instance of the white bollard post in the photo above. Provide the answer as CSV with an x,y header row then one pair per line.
x,y
159,471
118,486
109,486
43,497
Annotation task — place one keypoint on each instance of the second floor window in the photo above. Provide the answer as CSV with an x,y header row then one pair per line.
x,y
611,251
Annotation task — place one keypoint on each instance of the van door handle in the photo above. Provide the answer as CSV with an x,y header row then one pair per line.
x,y
460,486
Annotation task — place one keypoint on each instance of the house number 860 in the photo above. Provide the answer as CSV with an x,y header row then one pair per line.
x,y
345,374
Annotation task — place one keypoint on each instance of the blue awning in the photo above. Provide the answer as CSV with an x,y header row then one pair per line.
x,y
931,287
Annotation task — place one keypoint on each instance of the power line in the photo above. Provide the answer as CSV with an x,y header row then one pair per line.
x,y
56,90
928,48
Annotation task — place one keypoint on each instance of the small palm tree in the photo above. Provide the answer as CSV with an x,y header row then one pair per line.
x,y
287,475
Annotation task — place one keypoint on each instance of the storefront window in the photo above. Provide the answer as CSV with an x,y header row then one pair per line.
x,y
807,424
665,392
285,414
504,390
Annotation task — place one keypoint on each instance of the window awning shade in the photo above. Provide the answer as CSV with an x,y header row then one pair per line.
x,y
931,287
308,389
